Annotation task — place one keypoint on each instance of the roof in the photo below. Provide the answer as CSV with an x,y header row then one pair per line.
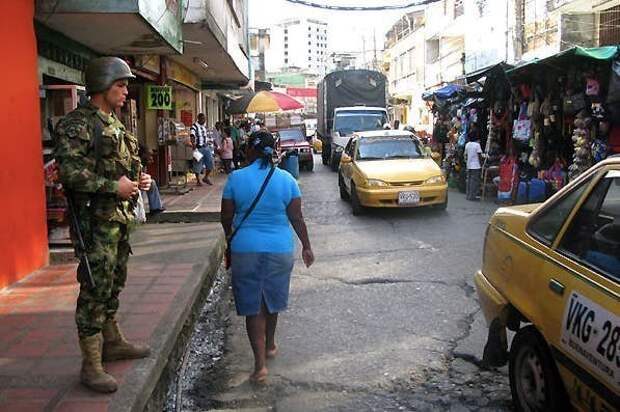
x,y
360,108
385,133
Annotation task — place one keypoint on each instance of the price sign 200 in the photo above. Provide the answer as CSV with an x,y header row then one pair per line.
x,y
160,97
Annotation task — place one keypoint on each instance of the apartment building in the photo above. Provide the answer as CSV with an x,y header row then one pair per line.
x,y
298,43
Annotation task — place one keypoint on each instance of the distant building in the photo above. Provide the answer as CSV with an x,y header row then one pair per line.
x,y
404,67
259,43
298,43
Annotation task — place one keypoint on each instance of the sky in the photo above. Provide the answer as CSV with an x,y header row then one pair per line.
x,y
347,29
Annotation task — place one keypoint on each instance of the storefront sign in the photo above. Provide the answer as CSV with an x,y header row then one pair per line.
x,y
159,97
183,75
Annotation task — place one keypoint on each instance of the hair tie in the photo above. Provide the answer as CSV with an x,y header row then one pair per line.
x,y
268,151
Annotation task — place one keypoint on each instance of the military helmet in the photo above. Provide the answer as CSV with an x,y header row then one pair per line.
x,y
102,72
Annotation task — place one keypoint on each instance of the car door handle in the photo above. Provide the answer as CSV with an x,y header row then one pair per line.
x,y
556,287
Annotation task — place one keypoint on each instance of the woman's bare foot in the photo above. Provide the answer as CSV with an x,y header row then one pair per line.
x,y
259,377
272,352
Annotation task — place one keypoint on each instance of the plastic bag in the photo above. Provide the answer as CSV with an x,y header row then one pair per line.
x,y
139,210
197,155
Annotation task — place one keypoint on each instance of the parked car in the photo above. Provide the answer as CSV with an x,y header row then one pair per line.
x,y
551,273
389,169
295,139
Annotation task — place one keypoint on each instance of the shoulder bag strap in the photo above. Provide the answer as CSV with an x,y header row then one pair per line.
x,y
254,203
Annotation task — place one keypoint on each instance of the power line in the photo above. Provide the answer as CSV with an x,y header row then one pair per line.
x,y
362,8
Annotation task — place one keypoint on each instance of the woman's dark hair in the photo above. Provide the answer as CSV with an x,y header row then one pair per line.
x,y
264,145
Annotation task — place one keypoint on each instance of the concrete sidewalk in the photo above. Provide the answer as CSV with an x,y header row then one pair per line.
x,y
170,274
200,203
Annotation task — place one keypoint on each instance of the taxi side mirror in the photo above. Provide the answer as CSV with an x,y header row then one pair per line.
x,y
345,158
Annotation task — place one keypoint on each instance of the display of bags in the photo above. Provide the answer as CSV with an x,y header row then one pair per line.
x,y
574,104
613,95
522,130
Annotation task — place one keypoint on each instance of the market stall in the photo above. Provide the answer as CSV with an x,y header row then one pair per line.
x,y
562,116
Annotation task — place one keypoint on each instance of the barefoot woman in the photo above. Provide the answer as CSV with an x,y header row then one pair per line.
x,y
263,247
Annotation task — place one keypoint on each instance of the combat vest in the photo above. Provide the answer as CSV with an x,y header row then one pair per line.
x,y
116,154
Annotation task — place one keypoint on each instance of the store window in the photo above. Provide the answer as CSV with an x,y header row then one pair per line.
x,y
547,225
593,238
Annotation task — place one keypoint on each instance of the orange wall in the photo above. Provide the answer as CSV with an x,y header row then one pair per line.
x,y
23,230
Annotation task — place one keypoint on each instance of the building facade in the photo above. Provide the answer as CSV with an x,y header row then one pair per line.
x,y
404,59
182,53
298,44
23,229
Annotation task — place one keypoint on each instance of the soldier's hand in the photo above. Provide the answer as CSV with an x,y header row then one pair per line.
x,y
145,182
127,188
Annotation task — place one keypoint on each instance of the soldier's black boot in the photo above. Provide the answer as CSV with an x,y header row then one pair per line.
x,y
116,347
92,374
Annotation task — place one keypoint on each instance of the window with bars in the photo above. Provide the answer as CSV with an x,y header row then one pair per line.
x,y
609,27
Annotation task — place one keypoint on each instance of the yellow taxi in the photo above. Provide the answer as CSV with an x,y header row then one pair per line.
x,y
551,273
388,168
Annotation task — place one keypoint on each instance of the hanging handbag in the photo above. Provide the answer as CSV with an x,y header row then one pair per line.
x,y
574,104
247,214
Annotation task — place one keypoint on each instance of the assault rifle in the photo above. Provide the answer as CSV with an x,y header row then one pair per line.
x,y
84,270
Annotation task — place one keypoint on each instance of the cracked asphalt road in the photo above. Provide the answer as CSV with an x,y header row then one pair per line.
x,y
386,320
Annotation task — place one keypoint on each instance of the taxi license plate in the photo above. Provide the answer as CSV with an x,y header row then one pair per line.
x,y
409,198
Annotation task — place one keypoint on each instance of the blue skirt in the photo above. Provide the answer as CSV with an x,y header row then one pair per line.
x,y
258,277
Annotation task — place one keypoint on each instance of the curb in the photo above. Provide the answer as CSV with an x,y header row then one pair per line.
x,y
168,341
184,217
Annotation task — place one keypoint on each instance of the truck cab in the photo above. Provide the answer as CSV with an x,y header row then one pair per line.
x,y
350,120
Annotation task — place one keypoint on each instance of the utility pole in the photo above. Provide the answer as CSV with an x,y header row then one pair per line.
x,y
374,38
364,52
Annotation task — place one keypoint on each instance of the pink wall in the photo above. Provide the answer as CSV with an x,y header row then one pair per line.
x,y
23,230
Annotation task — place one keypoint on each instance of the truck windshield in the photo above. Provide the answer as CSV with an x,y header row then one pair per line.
x,y
347,122
389,148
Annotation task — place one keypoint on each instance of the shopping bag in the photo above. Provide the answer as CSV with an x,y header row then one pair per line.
x,y
139,210
197,155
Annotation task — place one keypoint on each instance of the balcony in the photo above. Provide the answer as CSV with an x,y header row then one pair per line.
x,y
216,42
120,27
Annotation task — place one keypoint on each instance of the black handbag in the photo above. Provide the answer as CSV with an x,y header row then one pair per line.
x,y
574,104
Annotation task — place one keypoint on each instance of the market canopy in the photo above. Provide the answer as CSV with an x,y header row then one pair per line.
x,y
605,53
443,93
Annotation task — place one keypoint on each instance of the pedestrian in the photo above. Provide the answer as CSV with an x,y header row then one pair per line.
x,y
156,205
226,153
262,247
473,157
101,172
202,142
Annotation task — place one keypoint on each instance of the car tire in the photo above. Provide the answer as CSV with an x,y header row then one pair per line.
x,y
325,157
335,162
534,379
344,195
356,206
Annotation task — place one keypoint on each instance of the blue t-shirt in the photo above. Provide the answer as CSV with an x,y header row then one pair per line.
x,y
267,229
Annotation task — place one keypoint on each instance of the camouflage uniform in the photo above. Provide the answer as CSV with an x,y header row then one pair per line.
x,y
90,174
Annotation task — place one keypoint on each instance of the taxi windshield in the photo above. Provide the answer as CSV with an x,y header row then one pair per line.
x,y
403,147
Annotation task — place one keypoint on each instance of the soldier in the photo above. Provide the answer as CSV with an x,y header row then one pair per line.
x,y
100,170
